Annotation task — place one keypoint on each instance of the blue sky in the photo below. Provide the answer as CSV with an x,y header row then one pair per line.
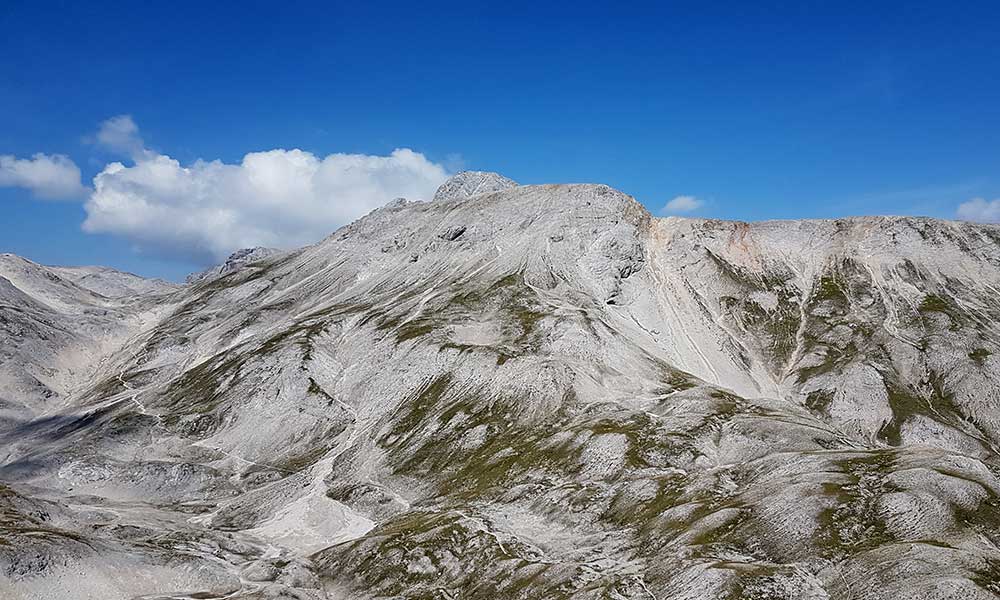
x,y
821,109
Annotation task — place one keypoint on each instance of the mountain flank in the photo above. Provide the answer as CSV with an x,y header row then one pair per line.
x,y
511,391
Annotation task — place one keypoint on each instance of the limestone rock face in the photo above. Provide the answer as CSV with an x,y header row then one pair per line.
x,y
516,392
237,260
472,183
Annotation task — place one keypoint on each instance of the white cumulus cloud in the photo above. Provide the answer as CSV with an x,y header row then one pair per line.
x,y
279,198
979,209
49,176
120,135
681,204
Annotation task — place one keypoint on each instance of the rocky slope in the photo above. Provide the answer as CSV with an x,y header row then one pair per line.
x,y
112,282
236,261
516,392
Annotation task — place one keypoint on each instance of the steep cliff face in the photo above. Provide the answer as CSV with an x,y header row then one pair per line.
x,y
522,392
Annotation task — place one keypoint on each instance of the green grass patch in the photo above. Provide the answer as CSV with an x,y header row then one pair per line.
x,y
852,525
979,355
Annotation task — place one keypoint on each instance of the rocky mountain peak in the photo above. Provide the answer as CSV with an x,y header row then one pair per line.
x,y
472,183
237,260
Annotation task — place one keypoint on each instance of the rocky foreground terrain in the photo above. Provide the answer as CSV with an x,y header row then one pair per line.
x,y
514,392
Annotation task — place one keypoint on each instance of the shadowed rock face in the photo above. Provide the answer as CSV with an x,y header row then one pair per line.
x,y
536,392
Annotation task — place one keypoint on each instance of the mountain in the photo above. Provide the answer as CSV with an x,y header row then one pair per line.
x,y
516,392
111,282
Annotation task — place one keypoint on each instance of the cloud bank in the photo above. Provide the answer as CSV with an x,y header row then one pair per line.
x,y
681,204
978,209
52,177
204,211
279,198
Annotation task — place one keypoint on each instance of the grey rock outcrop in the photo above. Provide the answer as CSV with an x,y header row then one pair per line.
x,y
236,261
472,183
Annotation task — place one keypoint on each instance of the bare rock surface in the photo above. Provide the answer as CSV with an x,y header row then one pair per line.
x,y
236,261
515,392
472,183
